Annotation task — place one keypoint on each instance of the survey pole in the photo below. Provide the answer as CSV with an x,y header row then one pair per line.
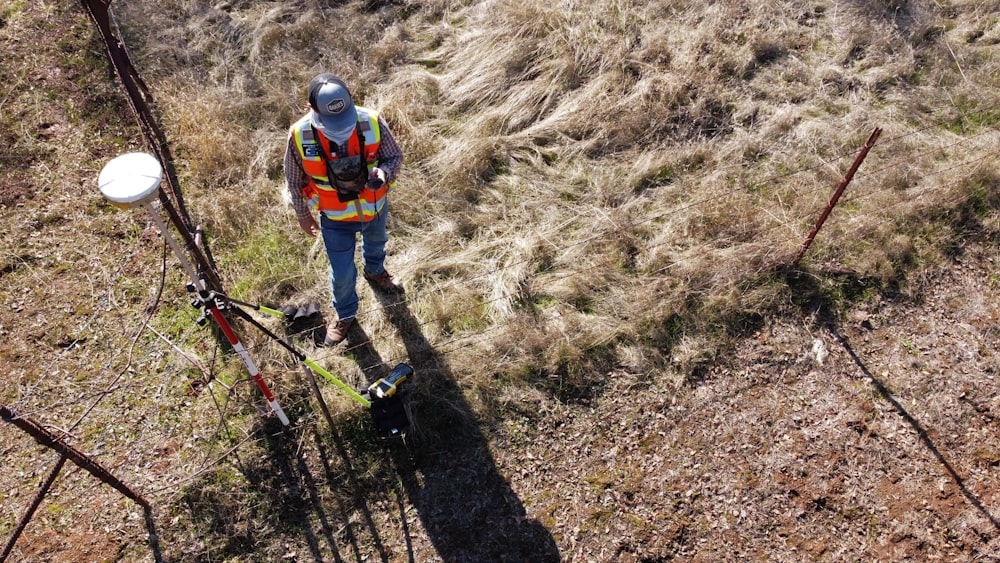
x,y
133,180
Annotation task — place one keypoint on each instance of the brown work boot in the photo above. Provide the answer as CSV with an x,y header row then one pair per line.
x,y
336,332
383,282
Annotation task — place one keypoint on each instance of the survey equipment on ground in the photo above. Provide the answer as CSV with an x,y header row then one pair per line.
x,y
133,180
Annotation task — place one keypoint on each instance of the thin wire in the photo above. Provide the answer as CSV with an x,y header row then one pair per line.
x,y
691,205
135,340
455,345
704,246
86,326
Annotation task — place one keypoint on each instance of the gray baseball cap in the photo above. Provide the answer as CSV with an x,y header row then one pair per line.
x,y
333,111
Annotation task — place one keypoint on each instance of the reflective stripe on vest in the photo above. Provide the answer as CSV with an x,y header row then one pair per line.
x,y
319,193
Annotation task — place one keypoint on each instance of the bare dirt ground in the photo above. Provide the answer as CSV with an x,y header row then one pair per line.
x,y
870,435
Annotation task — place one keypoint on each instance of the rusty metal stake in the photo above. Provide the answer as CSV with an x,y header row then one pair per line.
x,y
44,490
65,451
836,195
50,440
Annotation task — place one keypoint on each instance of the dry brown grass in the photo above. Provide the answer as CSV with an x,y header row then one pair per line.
x,y
594,225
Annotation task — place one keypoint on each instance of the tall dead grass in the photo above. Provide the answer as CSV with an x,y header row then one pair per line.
x,y
591,184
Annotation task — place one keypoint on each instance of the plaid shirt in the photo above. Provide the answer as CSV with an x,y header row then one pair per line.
x,y
390,159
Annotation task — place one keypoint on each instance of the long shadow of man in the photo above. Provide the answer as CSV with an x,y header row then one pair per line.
x,y
467,508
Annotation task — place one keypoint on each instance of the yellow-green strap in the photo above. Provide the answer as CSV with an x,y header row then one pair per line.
x,y
329,376
270,311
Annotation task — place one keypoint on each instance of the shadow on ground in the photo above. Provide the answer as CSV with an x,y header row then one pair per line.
x,y
286,493
925,438
467,508
819,300
246,510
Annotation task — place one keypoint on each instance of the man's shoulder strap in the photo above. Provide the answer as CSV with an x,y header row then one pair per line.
x,y
302,127
366,116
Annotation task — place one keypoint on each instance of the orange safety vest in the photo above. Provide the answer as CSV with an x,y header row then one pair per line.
x,y
319,192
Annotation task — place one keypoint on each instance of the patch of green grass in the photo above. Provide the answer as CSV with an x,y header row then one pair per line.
x,y
266,262
10,10
230,372
659,177
542,301
972,116
983,191
470,316
175,323
461,312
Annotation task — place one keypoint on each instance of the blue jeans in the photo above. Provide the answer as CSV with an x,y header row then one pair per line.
x,y
340,238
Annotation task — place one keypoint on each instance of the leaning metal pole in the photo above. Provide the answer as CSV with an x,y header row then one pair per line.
x,y
837,193
133,180
66,452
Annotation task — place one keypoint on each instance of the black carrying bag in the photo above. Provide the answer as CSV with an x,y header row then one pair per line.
x,y
347,174
389,415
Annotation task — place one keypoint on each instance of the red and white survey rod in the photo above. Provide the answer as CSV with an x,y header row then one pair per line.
x,y
132,180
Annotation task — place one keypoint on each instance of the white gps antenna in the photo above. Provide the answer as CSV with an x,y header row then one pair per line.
x,y
133,180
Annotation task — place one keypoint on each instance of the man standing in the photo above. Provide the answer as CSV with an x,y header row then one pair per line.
x,y
341,161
